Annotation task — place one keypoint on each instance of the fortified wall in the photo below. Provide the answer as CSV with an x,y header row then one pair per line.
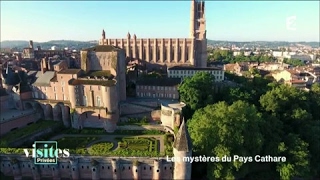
x,y
90,167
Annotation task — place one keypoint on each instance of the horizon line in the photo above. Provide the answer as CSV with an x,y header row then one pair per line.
x,y
169,38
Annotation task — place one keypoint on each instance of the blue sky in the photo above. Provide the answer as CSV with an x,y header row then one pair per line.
x,y
226,20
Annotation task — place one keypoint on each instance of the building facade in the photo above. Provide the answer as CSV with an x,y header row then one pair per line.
x,y
169,51
86,97
158,88
185,71
30,52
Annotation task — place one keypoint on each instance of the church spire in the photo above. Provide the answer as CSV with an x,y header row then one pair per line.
x,y
183,141
103,34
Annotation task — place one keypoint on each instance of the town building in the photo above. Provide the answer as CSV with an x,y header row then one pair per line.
x,y
188,71
158,88
167,52
299,78
38,53
272,66
91,93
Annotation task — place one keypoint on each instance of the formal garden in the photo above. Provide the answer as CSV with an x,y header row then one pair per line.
x,y
91,141
117,146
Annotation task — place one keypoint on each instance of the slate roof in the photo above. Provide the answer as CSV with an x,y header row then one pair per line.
x,y
44,79
92,82
69,71
183,140
31,73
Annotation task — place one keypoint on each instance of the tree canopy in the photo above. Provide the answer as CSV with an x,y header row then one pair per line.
x,y
196,91
221,129
257,116
226,56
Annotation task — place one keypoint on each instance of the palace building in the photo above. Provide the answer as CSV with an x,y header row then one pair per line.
x,y
169,52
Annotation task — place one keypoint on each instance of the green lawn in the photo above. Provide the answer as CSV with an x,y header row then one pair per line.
x,y
28,130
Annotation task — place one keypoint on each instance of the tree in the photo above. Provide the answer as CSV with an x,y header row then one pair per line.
x,y
220,129
197,91
284,99
294,62
315,100
297,154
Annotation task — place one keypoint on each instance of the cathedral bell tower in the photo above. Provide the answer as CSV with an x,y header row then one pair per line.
x,y
197,20
198,32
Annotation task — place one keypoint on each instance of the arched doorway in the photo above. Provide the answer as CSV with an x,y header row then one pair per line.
x,y
28,106
48,112
39,110
90,119
57,113
66,117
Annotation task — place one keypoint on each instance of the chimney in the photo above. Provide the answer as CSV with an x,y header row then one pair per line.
x,y
31,44
49,65
43,65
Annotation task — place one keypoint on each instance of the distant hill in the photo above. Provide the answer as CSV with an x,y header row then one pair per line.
x,y
11,44
60,44
262,44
